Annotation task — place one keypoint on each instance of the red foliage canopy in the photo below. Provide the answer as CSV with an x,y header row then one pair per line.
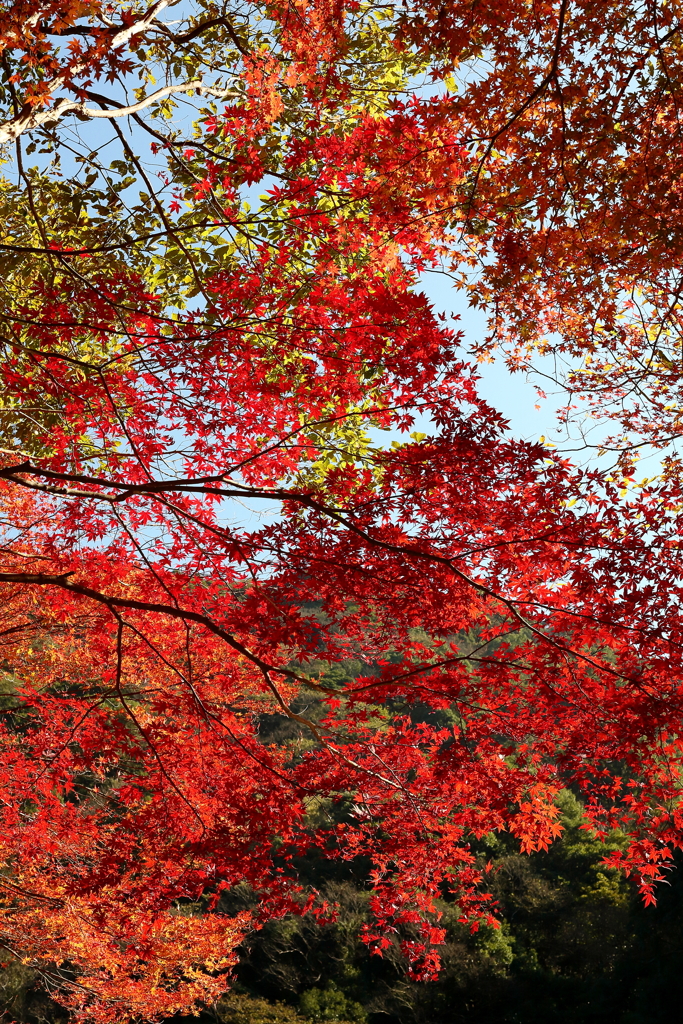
x,y
517,622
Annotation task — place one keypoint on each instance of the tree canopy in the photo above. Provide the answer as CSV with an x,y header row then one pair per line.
x,y
215,219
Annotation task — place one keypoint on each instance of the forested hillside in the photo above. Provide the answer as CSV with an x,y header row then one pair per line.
x,y
575,946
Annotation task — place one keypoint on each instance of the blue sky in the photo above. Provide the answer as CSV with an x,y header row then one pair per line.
x,y
511,394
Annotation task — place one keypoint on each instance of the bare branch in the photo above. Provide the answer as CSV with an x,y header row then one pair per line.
x,y
28,117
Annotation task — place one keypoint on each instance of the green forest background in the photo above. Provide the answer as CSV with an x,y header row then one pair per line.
x,y
575,945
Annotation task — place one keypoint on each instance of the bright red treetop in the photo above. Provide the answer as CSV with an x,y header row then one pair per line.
x,y
174,353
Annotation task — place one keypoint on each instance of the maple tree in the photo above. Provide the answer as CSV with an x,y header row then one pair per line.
x,y
172,348
567,223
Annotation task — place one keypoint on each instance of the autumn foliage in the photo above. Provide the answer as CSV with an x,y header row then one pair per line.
x,y
211,298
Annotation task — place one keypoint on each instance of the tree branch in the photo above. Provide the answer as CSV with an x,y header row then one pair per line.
x,y
28,117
